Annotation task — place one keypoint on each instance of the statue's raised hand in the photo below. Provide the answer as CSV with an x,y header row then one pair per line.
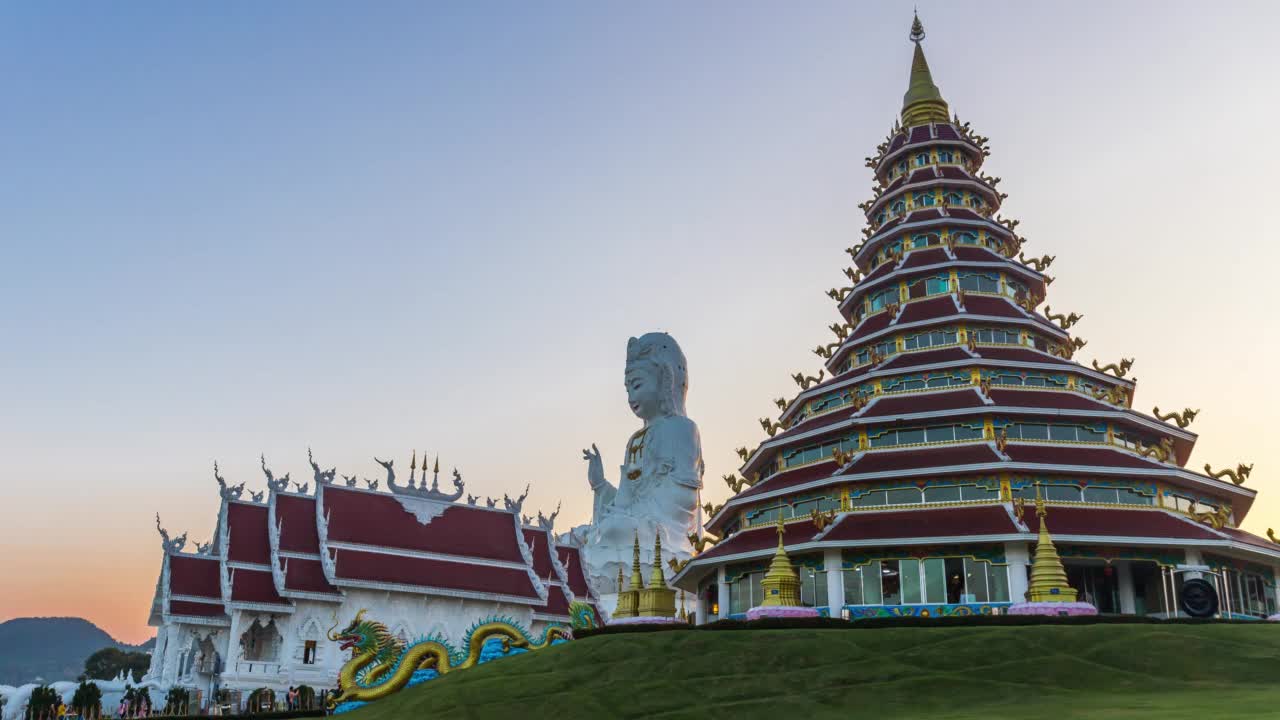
x,y
595,466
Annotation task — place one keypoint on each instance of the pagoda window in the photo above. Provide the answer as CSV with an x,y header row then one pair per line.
x,y
937,285
814,453
924,198
954,197
903,496
746,592
887,348
942,493
862,584
822,504
1057,432
903,165
946,156
1014,289
980,282
924,240
931,434
898,207
864,356
874,498
881,217
996,336
912,581
966,238
975,493
922,159
813,586
884,298
946,336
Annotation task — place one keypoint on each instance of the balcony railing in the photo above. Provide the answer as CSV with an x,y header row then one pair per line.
x,y
258,667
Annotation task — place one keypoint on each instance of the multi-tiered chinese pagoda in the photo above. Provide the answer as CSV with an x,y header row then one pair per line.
x,y
950,394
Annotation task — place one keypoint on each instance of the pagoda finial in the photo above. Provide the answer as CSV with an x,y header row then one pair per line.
x,y
923,102
637,580
1048,578
917,27
656,578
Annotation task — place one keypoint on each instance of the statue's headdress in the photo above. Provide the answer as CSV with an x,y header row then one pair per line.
x,y
662,351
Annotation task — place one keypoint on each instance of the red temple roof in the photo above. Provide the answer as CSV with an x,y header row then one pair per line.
x,y
1243,537
378,519
539,544
196,609
930,309
790,478
902,524
571,559
422,574
925,357
923,402
1050,399
196,576
254,586
930,256
1077,455
759,539
1067,520
296,516
306,576
1014,354
993,306
247,532
871,324
920,458
970,253
557,603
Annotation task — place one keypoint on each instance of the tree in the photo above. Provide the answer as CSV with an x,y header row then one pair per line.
x,y
107,663
177,702
43,703
87,700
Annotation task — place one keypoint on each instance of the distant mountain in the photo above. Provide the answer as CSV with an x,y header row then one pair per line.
x,y
51,648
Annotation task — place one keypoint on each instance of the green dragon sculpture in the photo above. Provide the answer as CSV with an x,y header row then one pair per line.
x,y
382,665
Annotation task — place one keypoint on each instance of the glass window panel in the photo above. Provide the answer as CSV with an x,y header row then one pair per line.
x,y
935,580
853,586
819,587
890,582
1058,432
904,496
912,435
1129,497
1100,495
942,494
871,594
998,582
1062,493
909,580
955,579
871,499
944,433
1026,492
757,589
1085,434
967,432
1034,432
974,492
975,579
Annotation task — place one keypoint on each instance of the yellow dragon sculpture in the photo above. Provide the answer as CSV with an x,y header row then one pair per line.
x,y
1039,264
702,543
1064,321
807,382
743,453
1237,476
1161,451
382,665
771,427
735,483
1118,370
839,294
1183,419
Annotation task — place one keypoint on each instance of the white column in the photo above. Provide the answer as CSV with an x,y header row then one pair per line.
x,y
1019,558
1276,590
831,563
1124,579
700,606
723,590
1193,558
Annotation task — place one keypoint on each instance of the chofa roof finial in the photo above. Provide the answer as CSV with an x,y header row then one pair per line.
x,y
917,28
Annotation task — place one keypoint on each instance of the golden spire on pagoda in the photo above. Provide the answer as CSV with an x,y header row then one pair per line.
x,y
656,578
637,580
1048,578
781,584
923,102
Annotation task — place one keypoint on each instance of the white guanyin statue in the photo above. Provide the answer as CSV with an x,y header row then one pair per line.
x,y
661,474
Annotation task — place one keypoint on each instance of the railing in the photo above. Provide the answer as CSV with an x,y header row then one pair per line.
x,y
258,667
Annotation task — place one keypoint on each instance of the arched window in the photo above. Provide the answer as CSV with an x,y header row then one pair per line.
x,y
979,282
946,156
898,207
937,285
923,199
922,159
966,238
955,197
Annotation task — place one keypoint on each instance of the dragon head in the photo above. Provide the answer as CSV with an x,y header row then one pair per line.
x,y
365,636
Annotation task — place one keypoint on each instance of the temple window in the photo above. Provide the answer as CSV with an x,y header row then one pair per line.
x,y
309,652
924,240
883,298
1025,379
924,435
979,282
996,336
937,285
813,586
814,453
966,238
932,580
1057,432
903,165
954,197
920,341
1014,289
899,207
260,642
924,198
946,156
1074,491
881,217
931,494
922,159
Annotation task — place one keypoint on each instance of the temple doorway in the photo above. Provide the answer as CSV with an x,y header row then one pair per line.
x,y
1097,584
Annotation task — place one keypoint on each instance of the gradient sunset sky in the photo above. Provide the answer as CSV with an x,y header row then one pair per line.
x,y
229,229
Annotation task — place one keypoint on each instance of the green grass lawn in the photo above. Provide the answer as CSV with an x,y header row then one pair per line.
x,y
1100,672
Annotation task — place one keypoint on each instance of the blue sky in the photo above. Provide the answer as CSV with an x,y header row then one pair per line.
x,y
238,228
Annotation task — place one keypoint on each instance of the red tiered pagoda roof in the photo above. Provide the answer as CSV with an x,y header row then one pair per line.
x,y
993,395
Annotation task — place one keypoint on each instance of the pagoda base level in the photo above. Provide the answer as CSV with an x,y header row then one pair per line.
x,y
1053,608
781,611
645,620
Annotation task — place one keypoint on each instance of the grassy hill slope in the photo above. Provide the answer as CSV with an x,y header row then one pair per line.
x,y
1100,672
52,648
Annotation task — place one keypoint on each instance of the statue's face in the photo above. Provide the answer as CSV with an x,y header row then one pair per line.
x,y
643,392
